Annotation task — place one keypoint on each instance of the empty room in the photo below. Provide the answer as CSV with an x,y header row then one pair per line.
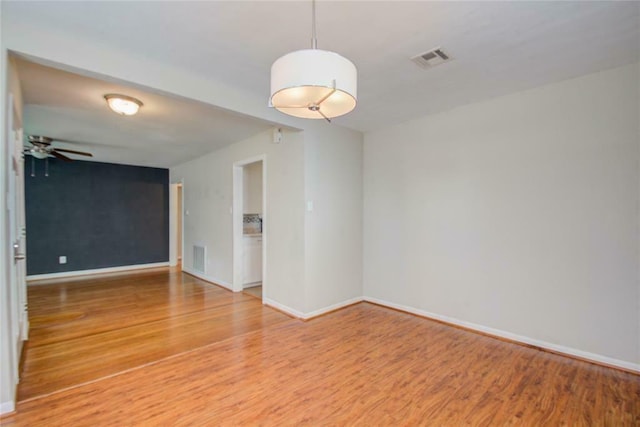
x,y
320,212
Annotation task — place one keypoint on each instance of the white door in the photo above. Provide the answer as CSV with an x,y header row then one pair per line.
x,y
21,236
16,214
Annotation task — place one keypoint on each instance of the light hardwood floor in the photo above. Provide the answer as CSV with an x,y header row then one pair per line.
x,y
255,291
88,329
362,365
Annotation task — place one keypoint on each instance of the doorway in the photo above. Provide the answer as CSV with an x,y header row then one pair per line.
x,y
176,224
250,227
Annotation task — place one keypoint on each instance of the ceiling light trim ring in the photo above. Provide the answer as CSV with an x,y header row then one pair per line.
x,y
130,107
315,108
334,89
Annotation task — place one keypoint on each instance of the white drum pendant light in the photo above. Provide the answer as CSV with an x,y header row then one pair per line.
x,y
314,83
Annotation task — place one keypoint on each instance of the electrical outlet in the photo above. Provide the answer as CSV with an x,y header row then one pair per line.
x,y
62,259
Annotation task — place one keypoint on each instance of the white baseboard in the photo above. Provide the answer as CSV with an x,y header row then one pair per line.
x,y
282,307
209,279
635,367
321,311
251,285
64,274
7,407
311,314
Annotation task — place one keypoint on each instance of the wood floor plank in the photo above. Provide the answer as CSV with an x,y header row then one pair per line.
x,y
360,366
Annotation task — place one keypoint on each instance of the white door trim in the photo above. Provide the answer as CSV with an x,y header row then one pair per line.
x,y
174,206
237,211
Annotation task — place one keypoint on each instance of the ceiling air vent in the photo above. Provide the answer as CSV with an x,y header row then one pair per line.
x,y
431,58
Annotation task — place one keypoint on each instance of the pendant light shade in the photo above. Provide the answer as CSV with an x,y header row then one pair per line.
x,y
304,80
314,83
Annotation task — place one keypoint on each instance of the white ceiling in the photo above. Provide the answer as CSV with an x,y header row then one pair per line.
x,y
499,48
166,131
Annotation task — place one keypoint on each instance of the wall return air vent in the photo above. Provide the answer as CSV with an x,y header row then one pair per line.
x,y
432,58
199,255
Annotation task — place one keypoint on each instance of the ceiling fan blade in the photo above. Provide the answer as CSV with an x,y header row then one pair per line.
x,y
38,145
82,153
60,156
69,141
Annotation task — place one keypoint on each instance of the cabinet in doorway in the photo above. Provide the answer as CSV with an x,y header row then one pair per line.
x,y
252,260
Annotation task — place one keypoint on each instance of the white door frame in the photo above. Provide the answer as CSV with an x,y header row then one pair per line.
x,y
17,287
21,238
181,254
173,220
237,212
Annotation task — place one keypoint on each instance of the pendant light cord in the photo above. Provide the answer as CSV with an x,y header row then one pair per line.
x,y
314,39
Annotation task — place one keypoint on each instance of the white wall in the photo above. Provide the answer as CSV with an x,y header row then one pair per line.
x,y
333,229
519,214
252,188
208,196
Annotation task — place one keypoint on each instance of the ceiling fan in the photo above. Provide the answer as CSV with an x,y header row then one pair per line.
x,y
41,148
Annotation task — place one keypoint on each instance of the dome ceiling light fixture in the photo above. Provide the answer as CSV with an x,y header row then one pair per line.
x,y
313,83
123,104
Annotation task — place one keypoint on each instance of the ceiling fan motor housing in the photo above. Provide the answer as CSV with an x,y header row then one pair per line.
x,y
42,140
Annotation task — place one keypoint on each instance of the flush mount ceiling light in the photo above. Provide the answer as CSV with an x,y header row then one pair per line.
x,y
313,83
123,104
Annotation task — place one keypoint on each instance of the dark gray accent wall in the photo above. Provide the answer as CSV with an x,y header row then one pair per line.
x,y
98,215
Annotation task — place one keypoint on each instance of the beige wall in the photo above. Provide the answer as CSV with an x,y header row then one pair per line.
x,y
333,228
518,214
